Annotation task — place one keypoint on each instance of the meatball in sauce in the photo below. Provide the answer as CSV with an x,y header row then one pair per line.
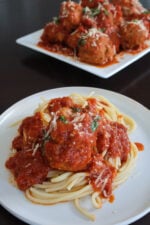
x,y
97,31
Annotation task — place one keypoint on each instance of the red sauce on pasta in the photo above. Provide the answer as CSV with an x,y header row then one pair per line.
x,y
28,169
31,130
111,198
101,175
74,140
140,146
112,137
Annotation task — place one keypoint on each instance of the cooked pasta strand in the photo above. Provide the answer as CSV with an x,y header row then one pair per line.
x,y
83,211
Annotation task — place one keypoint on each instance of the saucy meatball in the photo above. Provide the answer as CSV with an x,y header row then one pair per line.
x,y
113,33
74,37
110,15
133,35
54,33
130,7
96,48
88,17
70,15
72,139
145,16
94,31
113,138
71,144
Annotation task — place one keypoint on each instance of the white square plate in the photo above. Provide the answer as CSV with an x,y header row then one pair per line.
x,y
32,39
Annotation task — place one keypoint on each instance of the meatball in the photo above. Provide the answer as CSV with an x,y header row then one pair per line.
x,y
70,15
68,158
58,103
110,15
145,16
96,48
113,139
54,33
133,35
88,22
130,7
113,33
71,144
88,17
74,37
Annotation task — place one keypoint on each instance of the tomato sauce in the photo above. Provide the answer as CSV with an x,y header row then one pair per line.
x,y
140,146
111,198
101,175
56,48
31,130
73,140
28,169
113,137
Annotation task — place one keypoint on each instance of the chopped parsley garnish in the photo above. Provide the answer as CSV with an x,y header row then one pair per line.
x,y
81,42
75,109
106,12
95,12
102,29
56,20
94,124
63,119
91,12
86,10
135,20
146,12
46,137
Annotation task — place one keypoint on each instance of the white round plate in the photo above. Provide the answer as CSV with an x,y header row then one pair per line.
x,y
132,199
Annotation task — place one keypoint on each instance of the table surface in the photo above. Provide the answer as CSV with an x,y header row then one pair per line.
x,y
24,72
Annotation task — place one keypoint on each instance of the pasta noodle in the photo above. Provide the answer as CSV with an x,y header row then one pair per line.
x,y
52,193
64,180
111,111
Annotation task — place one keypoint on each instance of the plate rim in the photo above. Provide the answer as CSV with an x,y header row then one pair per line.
x,y
70,87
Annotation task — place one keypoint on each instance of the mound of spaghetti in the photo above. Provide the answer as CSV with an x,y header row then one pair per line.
x,y
72,147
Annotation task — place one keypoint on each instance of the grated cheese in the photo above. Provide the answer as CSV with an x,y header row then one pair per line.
x,y
96,33
35,148
99,178
78,118
141,25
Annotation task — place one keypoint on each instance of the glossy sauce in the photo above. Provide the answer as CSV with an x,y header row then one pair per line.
x,y
74,140
28,169
56,48
140,146
101,176
111,198
65,51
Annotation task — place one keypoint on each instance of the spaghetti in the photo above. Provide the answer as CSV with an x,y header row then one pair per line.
x,y
73,147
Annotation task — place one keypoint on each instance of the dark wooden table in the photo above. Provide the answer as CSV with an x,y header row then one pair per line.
x,y
24,72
